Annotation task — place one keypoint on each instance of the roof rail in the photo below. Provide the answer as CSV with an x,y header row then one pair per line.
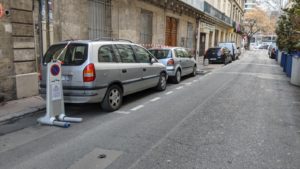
x,y
111,39
66,40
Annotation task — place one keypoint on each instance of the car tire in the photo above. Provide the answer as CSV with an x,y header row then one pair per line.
x,y
194,73
177,77
113,99
162,84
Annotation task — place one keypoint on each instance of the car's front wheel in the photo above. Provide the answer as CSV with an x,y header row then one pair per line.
x,y
162,84
194,73
113,98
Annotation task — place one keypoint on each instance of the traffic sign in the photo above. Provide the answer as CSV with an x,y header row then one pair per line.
x,y
55,112
55,69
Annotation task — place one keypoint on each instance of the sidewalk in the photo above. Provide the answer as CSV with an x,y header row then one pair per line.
x,y
19,108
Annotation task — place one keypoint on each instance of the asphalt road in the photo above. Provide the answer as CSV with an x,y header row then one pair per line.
x,y
244,115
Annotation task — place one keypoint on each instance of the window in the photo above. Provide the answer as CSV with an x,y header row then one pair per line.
x,y
100,18
126,53
161,53
185,54
72,54
190,36
141,55
106,54
146,27
179,53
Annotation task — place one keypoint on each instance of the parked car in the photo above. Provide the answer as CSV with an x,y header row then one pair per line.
x,y
232,48
272,51
263,46
218,55
104,71
177,60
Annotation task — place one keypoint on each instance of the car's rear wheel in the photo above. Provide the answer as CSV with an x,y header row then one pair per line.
x,y
162,84
194,73
113,99
177,77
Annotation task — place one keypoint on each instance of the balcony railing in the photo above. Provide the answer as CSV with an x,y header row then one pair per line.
x,y
212,11
198,4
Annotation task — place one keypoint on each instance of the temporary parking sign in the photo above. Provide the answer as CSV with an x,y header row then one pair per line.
x,y
55,69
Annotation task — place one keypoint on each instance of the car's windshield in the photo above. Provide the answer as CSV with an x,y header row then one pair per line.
x,y
68,54
161,53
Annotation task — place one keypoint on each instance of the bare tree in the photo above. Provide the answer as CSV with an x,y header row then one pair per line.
x,y
256,21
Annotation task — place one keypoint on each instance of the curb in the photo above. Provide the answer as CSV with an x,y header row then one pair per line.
x,y
18,115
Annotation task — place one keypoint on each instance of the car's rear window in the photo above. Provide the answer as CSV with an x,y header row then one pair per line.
x,y
161,53
72,54
213,50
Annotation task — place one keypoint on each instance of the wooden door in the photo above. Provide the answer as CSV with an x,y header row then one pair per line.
x,y
171,31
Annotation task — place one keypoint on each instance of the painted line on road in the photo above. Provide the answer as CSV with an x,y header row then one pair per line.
x,y
137,107
180,87
189,115
155,99
259,64
122,112
170,92
189,83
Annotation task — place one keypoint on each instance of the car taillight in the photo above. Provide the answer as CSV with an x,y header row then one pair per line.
x,y
40,72
89,73
170,62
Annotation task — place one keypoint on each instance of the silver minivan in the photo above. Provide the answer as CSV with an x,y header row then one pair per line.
x,y
178,60
103,71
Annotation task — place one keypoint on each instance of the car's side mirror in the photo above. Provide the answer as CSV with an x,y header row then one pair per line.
x,y
152,60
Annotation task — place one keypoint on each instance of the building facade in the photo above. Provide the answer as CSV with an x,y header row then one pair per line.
x,y
30,26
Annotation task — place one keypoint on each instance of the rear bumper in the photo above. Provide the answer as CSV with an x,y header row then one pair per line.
x,y
216,60
80,96
171,71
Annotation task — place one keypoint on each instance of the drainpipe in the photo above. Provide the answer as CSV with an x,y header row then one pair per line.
x,y
198,40
50,21
44,25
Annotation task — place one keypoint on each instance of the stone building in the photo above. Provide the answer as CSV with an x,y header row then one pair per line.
x,y
30,26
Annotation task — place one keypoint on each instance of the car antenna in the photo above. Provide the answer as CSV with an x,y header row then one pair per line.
x,y
62,51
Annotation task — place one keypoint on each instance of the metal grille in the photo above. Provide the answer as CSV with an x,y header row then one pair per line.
x,y
146,27
190,36
100,19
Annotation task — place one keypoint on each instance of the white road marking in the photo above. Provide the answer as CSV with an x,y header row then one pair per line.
x,y
170,92
189,83
137,107
270,65
155,99
122,112
180,87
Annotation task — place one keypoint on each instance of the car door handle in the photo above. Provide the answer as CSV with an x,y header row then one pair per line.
x,y
144,69
124,70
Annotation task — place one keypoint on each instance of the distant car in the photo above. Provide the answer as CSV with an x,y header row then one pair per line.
x,y
218,55
178,60
232,48
264,46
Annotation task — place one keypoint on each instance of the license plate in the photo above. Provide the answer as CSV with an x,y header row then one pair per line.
x,y
65,78
212,59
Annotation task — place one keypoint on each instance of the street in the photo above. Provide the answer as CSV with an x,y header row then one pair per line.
x,y
243,115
